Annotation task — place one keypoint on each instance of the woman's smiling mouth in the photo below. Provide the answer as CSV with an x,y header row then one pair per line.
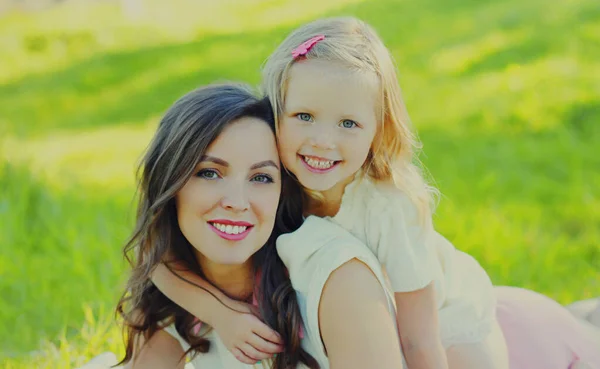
x,y
229,229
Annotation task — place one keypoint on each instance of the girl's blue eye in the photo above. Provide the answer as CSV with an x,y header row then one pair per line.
x,y
208,174
347,123
262,178
304,116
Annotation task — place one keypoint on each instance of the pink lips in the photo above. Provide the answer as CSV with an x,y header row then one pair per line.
x,y
227,236
318,170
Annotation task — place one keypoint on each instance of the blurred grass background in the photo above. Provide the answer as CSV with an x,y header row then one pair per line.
x,y
505,95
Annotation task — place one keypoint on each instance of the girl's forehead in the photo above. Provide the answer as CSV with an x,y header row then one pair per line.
x,y
333,70
315,84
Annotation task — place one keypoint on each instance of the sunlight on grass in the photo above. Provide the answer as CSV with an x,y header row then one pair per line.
x,y
552,240
534,96
53,39
98,333
590,31
128,87
60,249
459,58
104,157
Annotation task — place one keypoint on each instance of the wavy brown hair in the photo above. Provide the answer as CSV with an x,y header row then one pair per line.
x,y
182,138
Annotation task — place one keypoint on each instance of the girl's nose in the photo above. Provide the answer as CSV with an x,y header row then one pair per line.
x,y
323,139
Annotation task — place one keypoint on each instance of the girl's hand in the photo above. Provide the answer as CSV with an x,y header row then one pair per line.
x,y
245,335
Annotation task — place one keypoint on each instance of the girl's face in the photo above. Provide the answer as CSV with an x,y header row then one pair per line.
x,y
227,209
328,123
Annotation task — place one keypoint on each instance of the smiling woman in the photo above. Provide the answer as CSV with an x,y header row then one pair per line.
x,y
226,210
210,187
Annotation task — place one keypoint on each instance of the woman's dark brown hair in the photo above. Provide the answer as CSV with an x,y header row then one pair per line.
x,y
182,138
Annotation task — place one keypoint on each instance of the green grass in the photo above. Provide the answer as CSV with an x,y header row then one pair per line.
x,y
505,95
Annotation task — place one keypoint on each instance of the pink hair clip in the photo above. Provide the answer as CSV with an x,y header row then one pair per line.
x,y
305,47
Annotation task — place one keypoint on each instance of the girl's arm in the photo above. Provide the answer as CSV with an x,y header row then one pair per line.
x,y
356,325
182,289
417,318
244,335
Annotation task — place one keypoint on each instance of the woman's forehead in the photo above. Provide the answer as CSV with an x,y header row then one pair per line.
x,y
247,140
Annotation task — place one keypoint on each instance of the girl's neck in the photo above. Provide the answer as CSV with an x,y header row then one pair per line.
x,y
236,281
330,204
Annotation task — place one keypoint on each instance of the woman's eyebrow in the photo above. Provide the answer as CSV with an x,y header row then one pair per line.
x,y
214,160
261,164
266,163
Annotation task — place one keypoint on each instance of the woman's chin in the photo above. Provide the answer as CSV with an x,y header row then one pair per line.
x,y
232,259
235,261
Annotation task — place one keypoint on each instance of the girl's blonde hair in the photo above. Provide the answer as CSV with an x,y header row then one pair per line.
x,y
355,45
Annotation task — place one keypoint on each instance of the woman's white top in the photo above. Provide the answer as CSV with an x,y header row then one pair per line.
x,y
311,254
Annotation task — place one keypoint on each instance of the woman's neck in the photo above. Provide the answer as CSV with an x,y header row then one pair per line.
x,y
236,281
330,204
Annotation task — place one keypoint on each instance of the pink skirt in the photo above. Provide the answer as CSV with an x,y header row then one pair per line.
x,y
542,334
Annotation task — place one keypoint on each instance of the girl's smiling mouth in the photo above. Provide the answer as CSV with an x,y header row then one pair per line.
x,y
317,164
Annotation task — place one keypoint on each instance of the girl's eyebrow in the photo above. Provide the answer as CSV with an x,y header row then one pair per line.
x,y
297,108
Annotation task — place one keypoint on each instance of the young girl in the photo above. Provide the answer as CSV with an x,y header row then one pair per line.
x,y
344,134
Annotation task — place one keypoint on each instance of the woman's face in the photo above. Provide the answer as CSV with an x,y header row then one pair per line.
x,y
227,209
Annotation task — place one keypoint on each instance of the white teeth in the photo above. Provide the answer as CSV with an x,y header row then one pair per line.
x,y
318,164
229,229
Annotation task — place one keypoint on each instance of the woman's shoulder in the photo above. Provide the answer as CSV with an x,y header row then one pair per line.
x,y
322,253
319,240
319,247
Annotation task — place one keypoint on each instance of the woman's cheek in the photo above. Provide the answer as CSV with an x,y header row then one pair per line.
x,y
269,201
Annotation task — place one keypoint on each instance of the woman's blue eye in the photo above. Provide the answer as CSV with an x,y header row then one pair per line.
x,y
347,123
304,116
262,178
208,174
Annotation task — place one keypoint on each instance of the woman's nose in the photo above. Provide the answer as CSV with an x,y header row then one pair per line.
x,y
235,197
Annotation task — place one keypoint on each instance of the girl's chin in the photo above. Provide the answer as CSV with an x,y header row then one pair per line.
x,y
321,183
